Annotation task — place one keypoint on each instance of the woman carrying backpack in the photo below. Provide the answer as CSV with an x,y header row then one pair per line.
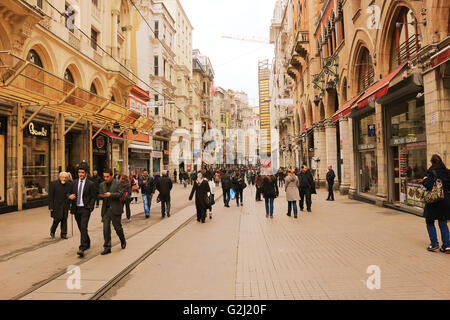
x,y
270,192
439,210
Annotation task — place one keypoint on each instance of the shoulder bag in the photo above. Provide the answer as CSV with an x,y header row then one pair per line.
x,y
436,194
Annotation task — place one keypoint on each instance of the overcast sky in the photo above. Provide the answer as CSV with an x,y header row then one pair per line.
x,y
235,62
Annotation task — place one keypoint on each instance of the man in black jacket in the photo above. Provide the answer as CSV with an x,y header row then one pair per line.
x,y
147,185
58,204
330,181
226,186
83,196
111,191
164,186
306,187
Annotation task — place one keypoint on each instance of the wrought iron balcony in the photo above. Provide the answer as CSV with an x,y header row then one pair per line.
x,y
301,45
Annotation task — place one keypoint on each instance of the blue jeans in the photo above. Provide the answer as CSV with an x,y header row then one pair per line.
x,y
290,205
269,202
226,196
147,199
444,233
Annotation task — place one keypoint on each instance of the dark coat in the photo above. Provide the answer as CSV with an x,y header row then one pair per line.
x,y
89,195
58,199
164,185
237,183
270,188
226,181
112,206
439,210
259,181
148,187
330,176
126,187
201,193
306,181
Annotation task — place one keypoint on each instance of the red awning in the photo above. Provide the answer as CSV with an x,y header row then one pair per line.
x,y
378,89
440,57
109,134
346,108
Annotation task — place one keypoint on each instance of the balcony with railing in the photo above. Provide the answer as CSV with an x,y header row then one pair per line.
x,y
405,51
301,44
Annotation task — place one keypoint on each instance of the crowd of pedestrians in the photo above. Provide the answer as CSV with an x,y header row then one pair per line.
x,y
79,196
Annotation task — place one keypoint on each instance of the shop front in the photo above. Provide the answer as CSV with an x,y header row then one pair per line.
x,y
156,158
138,158
366,155
36,164
100,154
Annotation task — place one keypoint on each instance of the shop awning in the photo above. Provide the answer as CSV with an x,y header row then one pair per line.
x,y
109,134
440,57
378,89
140,147
30,85
346,108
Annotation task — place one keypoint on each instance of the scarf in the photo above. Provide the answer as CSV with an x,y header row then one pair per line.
x,y
199,181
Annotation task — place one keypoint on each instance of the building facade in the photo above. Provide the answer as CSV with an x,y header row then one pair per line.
x,y
371,92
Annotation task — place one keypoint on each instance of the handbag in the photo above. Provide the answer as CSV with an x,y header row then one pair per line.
x,y
134,188
436,194
212,201
232,194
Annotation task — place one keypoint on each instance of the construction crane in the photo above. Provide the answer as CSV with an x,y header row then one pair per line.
x,y
253,39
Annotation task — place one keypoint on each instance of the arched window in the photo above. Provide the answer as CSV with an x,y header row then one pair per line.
x,y
405,38
34,58
68,76
93,89
365,70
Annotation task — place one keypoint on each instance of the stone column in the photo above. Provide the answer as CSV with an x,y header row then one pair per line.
x,y
320,151
346,154
352,156
381,156
437,115
331,147
114,30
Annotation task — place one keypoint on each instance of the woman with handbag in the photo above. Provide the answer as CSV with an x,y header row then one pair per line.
x,y
437,203
201,189
269,191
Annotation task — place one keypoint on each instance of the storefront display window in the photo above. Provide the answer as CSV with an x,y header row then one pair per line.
x,y
36,161
368,171
408,143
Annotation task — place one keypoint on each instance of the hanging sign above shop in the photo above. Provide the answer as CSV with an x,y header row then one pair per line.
x,y
100,142
36,131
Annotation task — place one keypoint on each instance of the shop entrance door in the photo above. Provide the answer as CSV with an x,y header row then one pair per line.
x,y
396,174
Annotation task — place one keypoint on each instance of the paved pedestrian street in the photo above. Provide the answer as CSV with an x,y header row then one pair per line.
x,y
240,254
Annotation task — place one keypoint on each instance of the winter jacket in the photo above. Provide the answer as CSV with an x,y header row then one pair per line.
x,y
270,187
291,184
439,210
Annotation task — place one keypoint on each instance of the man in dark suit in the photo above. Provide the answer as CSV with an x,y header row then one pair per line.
x,y
111,192
164,186
83,200
330,180
58,204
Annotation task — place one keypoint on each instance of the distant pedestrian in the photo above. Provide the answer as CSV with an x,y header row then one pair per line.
x,y
83,196
306,188
238,187
147,185
134,188
164,186
439,210
126,186
330,180
201,189
111,191
291,184
226,186
270,192
211,194
217,179
258,183
58,204
97,180
175,176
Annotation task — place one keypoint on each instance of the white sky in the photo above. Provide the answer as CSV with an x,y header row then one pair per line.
x,y
235,62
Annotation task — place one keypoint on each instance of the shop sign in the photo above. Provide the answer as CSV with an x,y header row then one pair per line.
x,y
166,152
371,130
366,146
165,168
100,142
157,154
404,140
34,131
